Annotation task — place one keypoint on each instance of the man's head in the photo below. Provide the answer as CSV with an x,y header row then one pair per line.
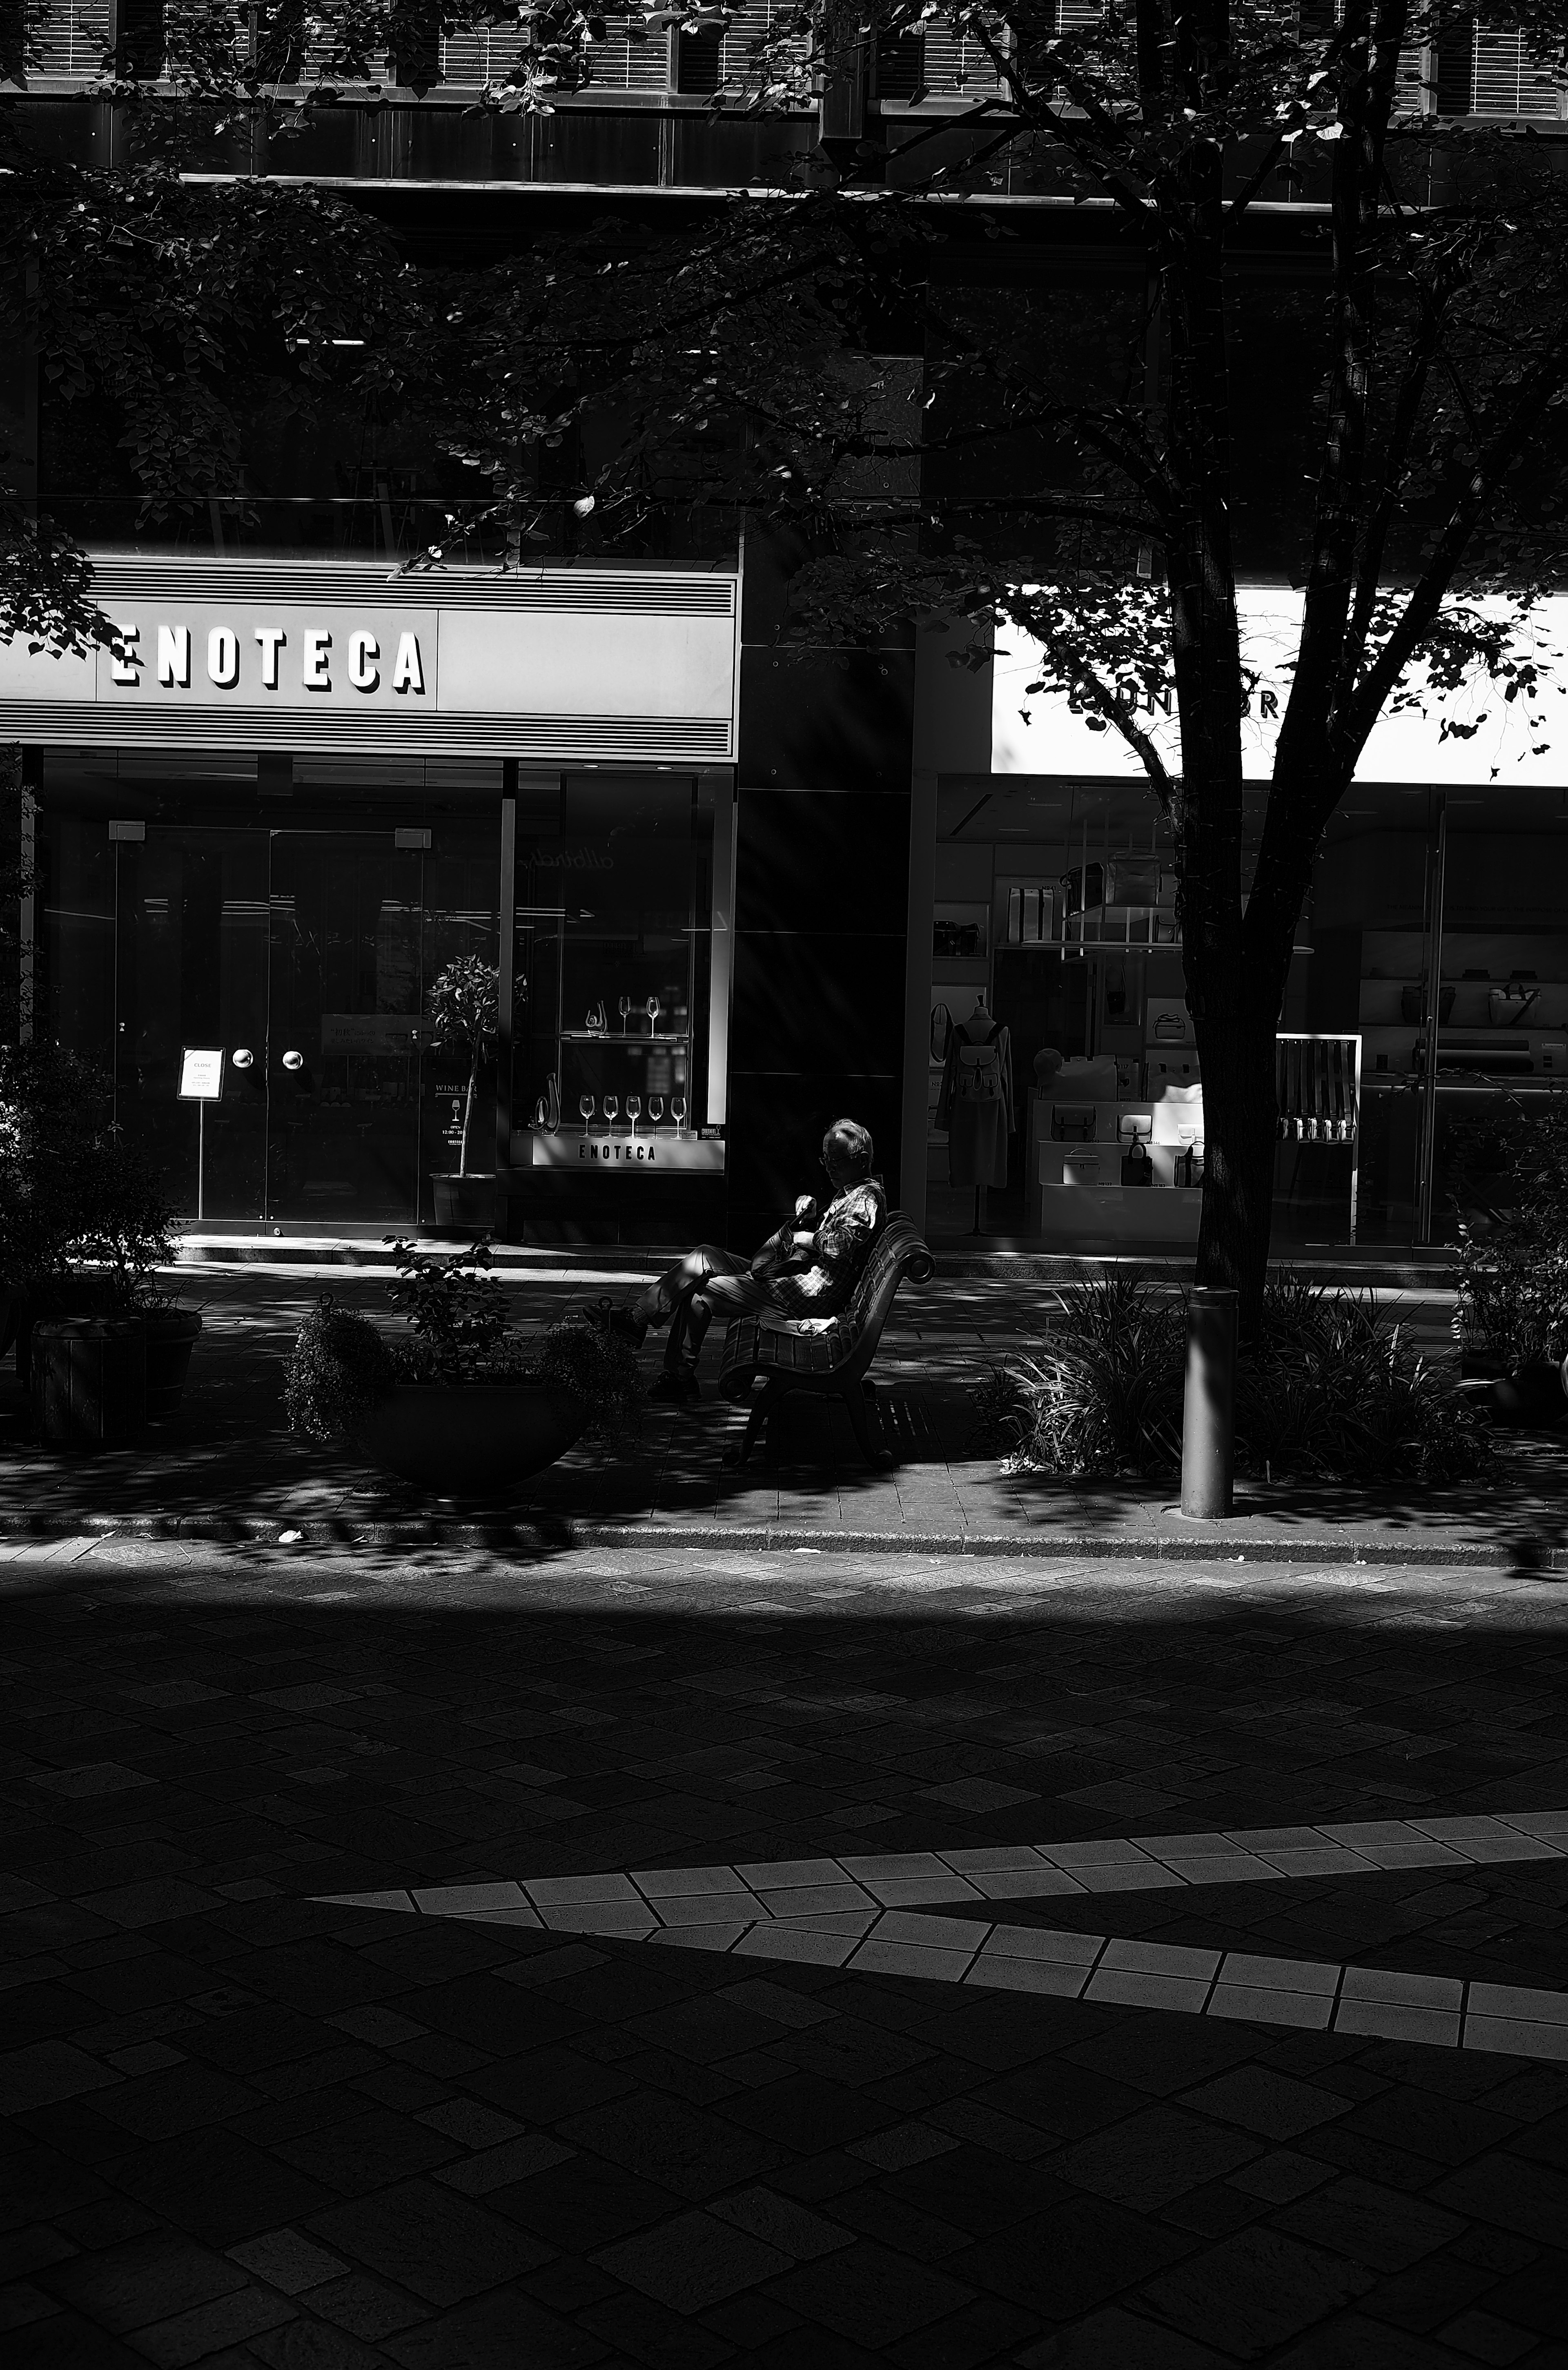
x,y
847,1153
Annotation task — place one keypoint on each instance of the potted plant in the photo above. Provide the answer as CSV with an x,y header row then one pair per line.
x,y
83,1225
463,1013
459,1406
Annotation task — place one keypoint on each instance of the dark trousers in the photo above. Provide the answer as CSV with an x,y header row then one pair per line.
x,y
706,1283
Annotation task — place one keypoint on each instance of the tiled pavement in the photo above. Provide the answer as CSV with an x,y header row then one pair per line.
x,y
227,1464
249,2126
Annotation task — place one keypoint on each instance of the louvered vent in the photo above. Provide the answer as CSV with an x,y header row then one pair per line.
x,y
1505,79
602,592
71,39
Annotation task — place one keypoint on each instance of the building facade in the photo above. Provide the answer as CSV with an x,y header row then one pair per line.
x,y
731,889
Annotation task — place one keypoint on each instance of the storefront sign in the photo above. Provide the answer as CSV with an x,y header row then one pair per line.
x,y
657,1154
201,1074
1473,735
592,665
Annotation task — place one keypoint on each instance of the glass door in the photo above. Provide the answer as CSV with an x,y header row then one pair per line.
x,y
345,1052
191,960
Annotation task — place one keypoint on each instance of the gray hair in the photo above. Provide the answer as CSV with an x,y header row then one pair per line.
x,y
849,1145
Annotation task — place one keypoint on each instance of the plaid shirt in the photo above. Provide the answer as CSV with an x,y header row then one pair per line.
x,y
824,1281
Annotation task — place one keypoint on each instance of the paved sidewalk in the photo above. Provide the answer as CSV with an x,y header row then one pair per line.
x,y
249,2127
228,1465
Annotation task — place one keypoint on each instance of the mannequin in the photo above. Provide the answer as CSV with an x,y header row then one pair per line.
x,y
976,1105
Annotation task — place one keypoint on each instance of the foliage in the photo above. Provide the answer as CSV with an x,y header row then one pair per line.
x,y
1330,1390
1509,1179
340,1372
1102,1394
745,362
463,1010
456,1312
74,1196
342,1366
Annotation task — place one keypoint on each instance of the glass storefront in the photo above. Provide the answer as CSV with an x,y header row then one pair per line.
x,y
177,913
1054,908
621,1005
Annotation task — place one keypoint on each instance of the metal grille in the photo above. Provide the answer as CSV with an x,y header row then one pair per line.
x,y
599,590
676,740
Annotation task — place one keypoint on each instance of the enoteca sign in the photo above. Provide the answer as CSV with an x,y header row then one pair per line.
x,y
592,665
278,654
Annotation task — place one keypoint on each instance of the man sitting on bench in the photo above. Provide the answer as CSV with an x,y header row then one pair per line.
x,y
809,1268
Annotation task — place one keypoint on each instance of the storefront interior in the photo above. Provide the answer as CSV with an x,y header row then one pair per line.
x,y
1055,903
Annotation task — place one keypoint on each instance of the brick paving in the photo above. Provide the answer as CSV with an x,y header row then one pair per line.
x,y
245,2124
227,1464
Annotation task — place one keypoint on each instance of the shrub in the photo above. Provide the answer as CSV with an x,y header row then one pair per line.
x,y
342,1366
1102,1394
341,1370
1331,1389
73,1194
1509,1175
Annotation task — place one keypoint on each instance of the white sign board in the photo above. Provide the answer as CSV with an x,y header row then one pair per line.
x,y
597,663
1523,742
202,1075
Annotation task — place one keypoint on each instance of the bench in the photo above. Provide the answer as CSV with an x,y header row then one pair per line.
x,y
779,1352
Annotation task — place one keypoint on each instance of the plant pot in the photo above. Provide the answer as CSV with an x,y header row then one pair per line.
x,y
470,1440
89,1380
1532,1398
172,1334
465,1204
57,1297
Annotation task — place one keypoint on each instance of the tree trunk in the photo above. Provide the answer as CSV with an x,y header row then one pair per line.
x,y
1236,1049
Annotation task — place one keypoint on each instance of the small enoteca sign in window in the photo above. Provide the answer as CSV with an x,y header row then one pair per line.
x,y
282,655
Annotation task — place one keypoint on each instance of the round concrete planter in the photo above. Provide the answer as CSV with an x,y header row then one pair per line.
x,y
470,1440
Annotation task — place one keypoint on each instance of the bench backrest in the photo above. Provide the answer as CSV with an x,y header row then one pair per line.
x,y
898,1251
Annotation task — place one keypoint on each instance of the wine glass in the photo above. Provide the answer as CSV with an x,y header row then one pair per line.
x,y
633,1111
678,1111
612,1105
585,1105
652,1009
624,1009
655,1109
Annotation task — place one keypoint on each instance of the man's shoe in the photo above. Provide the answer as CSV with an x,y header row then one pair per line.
x,y
674,1385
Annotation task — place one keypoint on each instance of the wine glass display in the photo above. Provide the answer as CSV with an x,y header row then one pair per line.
x,y
655,1109
612,1105
585,1105
625,1009
652,1009
678,1111
633,1111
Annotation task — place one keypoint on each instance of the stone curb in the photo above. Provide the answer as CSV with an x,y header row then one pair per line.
x,y
1526,1553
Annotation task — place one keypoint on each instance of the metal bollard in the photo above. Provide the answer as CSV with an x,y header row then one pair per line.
x,y
1208,1411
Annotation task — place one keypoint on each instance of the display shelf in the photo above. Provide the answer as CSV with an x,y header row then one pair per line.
x,y
615,1036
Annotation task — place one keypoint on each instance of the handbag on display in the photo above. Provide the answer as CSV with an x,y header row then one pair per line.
x,y
1047,1063
1414,997
1073,1123
1508,1006
1133,880
1091,1077
1137,1168
941,1031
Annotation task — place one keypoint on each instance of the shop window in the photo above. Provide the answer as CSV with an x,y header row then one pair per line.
x,y
901,67
698,62
615,919
280,40
415,60
141,40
